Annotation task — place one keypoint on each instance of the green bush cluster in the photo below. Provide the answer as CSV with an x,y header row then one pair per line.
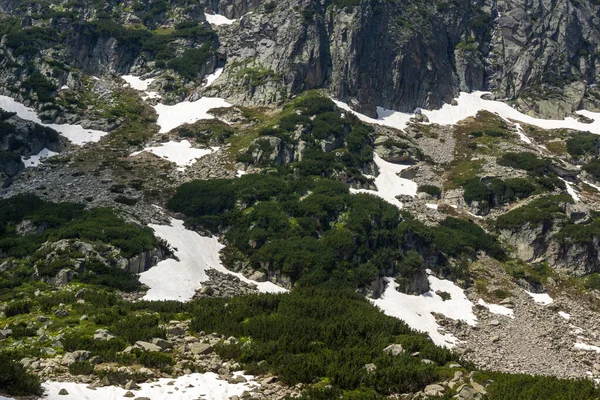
x,y
318,119
525,160
496,192
310,334
15,380
56,221
431,190
539,211
583,144
316,232
527,387
41,86
593,168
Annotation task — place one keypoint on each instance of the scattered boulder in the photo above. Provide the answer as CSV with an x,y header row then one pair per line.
x,y
103,334
162,343
63,392
394,349
200,348
147,346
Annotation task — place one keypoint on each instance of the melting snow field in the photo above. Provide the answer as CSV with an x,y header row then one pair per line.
x,y
36,160
541,298
497,309
142,85
178,280
216,19
138,83
571,190
181,153
210,79
468,104
75,133
416,310
206,386
171,117
389,184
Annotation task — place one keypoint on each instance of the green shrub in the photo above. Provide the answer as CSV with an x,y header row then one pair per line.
x,y
525,160
543,210
190,64
592,281
310,334
17,308
40,85
593,168
15,380
583,144
496,192
431,190
527,387
138,327
81,368
155,359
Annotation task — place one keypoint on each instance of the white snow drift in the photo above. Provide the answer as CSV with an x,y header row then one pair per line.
x,y
171,117
541,298
587,347
416,310
75,133
564,315
138,83
571,190
497,308
142,85
36,160
179,280
389,184
217,19
211,78
206,386
468,104
181,153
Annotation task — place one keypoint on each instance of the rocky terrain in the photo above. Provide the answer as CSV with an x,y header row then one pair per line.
x,y
174,172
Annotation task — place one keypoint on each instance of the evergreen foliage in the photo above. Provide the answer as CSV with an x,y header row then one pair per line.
x,y
56,221
14,378
310,334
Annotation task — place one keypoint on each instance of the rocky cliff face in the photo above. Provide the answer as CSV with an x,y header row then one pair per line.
x,y
397,55
20,138
407,55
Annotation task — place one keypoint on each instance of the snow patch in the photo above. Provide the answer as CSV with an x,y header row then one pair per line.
x,y
389,184
432,206
217,19
564,315
541,298
522,135
206,386
181,153
592,185
497,309
75,133
36,160
178,280
211,78
587,347
138,83
416,310
240,173
468,105
571,190
171,117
